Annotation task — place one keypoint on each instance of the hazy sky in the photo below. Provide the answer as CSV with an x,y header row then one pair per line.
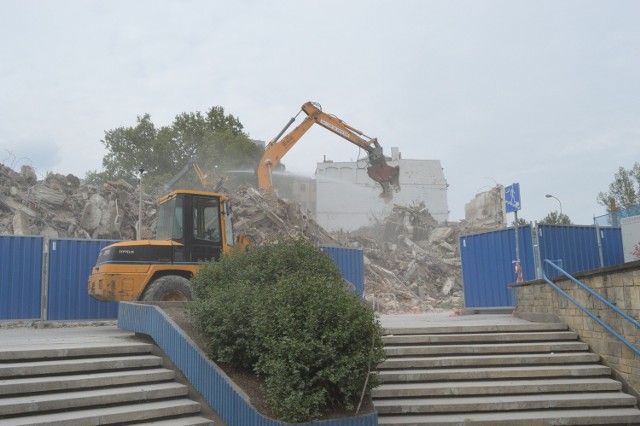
x,y
544,93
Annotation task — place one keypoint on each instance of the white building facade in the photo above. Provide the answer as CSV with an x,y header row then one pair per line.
x,y
348,199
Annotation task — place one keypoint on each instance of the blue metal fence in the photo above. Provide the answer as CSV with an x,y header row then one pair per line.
x,y
20,277
487,257
70,264
350,262
488,266
611,243
613,219
580,248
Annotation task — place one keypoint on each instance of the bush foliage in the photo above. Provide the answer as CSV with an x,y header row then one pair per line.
x,y
283,312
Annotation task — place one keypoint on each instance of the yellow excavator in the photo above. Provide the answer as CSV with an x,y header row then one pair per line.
x,y
378,169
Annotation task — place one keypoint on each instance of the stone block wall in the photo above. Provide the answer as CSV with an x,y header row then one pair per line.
x,y
620,285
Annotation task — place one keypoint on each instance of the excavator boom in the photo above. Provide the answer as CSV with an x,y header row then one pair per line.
x,y
378,169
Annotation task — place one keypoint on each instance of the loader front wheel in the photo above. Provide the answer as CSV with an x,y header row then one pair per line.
x,y
169,288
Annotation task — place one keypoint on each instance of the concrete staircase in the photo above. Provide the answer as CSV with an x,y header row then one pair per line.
x,y
91,383
510,374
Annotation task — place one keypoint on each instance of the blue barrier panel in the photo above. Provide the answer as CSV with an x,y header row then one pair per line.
x,y
612,250
575,248
204,375
20,277
350,262
488,266
70,264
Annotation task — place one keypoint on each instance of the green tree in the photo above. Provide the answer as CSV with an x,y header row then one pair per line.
x,y
212,139
556,218
624,191
520,222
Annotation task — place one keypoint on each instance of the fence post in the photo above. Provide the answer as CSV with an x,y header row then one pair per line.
x,y
44,291
535,241
599,239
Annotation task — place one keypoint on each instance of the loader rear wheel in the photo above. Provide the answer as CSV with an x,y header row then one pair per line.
x,y
170,288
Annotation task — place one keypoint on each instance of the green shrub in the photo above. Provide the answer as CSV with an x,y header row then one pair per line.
x,y
284,312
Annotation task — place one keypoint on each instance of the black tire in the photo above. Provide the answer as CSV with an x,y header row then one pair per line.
x,y
169,288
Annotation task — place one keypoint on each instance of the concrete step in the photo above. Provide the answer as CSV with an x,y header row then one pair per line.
x,y
61,366
83,381
495,387
455,374
489,348
182,421
478,337
503,403
604,416
468,329
87,398
111,415
490,360
72,350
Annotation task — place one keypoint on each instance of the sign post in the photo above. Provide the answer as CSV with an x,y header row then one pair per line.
x,y
513,204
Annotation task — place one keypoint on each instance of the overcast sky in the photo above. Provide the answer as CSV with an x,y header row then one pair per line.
x,y
543,93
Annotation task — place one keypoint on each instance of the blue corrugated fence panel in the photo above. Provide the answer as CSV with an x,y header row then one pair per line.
x,y
70,264
575,248
20,277
612,251
488,266
350,262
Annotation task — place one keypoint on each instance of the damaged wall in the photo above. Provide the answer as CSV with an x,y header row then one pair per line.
x,y
487,209
347,198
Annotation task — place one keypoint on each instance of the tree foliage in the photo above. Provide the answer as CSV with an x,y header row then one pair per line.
x,y
520,222
212,139
556,218
284,312
624,191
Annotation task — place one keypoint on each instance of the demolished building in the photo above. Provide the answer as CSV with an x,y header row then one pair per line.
x,y
413,266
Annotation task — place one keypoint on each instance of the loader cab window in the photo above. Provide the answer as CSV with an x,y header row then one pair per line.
x,y
206,219
170,226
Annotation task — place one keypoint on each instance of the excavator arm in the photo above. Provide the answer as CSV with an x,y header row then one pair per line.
x,y
378,169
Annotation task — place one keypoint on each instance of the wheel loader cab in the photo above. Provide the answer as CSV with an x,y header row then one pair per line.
x,y
193,220
193,226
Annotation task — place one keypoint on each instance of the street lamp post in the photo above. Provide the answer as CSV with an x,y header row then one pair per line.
x,y
557,199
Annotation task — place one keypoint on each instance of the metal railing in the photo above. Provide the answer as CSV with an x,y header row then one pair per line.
x,y
587,311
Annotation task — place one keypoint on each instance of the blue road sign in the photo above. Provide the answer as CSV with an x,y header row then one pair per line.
x,y
512,198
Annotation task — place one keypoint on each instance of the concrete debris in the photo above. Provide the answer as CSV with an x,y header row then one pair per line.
x,y
263,217
412,262
63,207
422,255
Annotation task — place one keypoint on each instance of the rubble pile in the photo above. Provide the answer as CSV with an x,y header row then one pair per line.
x,y
62,207
411,261
263,217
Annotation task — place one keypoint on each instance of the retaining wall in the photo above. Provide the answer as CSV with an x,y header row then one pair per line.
x,y
620,285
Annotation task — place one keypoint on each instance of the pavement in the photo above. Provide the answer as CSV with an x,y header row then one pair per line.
x,y
29,336
75,334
